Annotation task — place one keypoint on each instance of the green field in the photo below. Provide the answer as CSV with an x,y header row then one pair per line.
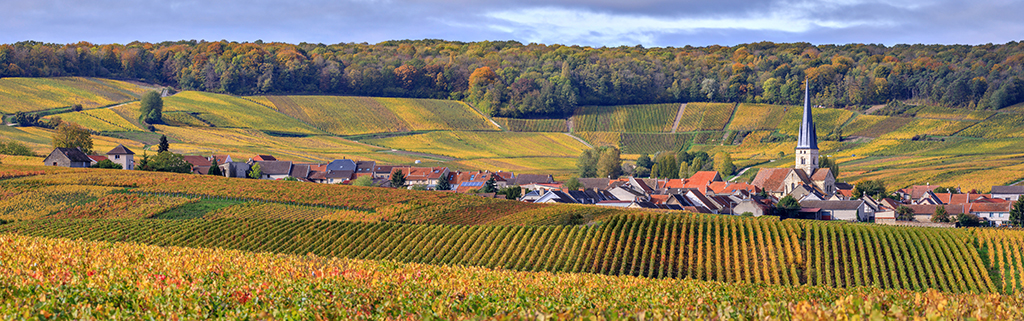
x,y
469,145
234,112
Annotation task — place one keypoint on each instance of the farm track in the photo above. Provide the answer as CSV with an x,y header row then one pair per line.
x,y
585,143
679,117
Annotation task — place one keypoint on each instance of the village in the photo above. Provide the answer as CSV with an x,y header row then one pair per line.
x,y
805,191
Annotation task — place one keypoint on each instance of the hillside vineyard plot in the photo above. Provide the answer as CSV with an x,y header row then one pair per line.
x,y
64,278
653,118
694,246
34,94
367,115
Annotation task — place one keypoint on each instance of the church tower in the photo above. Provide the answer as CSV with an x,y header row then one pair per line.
x,y
807,142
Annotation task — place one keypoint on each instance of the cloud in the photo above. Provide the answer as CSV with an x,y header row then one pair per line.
x,y
584,22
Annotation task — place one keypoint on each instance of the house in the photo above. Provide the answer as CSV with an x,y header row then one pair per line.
x,y
753,206
200,165
841,210
426,176
528,179
915,192
804,192
601,184
382,172
264,158
235,169
365,168
556,197
1009,193
779,182
67,157
96,159
275,170
122,155
625,193
541,187
532,196
300,172
467,181
997,213
317,173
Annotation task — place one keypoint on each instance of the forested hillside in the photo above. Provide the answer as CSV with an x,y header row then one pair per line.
x,y
516,80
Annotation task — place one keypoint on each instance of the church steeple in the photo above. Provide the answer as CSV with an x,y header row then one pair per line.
x,y
807,142
808,138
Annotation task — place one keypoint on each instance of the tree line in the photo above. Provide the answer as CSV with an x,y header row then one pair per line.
x,y
508,78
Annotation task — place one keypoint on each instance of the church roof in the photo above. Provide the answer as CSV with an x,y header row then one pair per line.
x,y
808,138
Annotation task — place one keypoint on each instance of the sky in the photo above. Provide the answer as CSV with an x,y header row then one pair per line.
x,y
596,23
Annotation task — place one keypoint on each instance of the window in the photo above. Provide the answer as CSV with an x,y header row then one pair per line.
x,y
803,161
117,156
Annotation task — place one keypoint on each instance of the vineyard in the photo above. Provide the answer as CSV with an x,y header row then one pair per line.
x,y
705,116
639,143
691,246
653,118
233,112
758,117
99,120
532,125
60,278
469,145
34,94
367,115
998,126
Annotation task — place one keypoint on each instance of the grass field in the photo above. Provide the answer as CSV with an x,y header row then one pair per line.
x,y
34,94
367,115
652,118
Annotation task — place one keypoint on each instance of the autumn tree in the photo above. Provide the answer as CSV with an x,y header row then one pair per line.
x,y
71,135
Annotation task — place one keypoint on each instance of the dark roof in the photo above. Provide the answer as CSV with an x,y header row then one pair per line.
x,y
120,150
300,171
276,167
843,185
341,165
340,174
197,160
365,166
594,183
1007,189
524,179
832,205
75,155
264,158
808,138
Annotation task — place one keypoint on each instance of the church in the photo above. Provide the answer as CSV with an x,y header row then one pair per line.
x,y
805,177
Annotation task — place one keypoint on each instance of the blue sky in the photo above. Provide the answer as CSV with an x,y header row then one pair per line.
x,y
575,22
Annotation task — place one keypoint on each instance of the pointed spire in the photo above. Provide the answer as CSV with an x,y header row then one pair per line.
x,y
808,138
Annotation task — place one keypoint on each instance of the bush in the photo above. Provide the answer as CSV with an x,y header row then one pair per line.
x,y
106,163
15,148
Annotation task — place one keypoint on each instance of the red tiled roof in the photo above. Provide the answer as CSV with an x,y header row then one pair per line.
x,y
989,207
930,209
950,198
704,177
660,199
917,191
820,174
729,188
771,179
261,158
96,158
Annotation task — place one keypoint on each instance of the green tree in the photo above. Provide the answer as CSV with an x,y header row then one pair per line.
x,y
489,186
290,179
684,170
12,147
106,163
724,165
968,220
444,183
163,146
363,181
167,162
871,188
71,135
586,164
666,166
609,163
828,162
644,161
1017,212
397,179
214,169
152,108
788,206
573,184
904,213
512,192
940,215
255,172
